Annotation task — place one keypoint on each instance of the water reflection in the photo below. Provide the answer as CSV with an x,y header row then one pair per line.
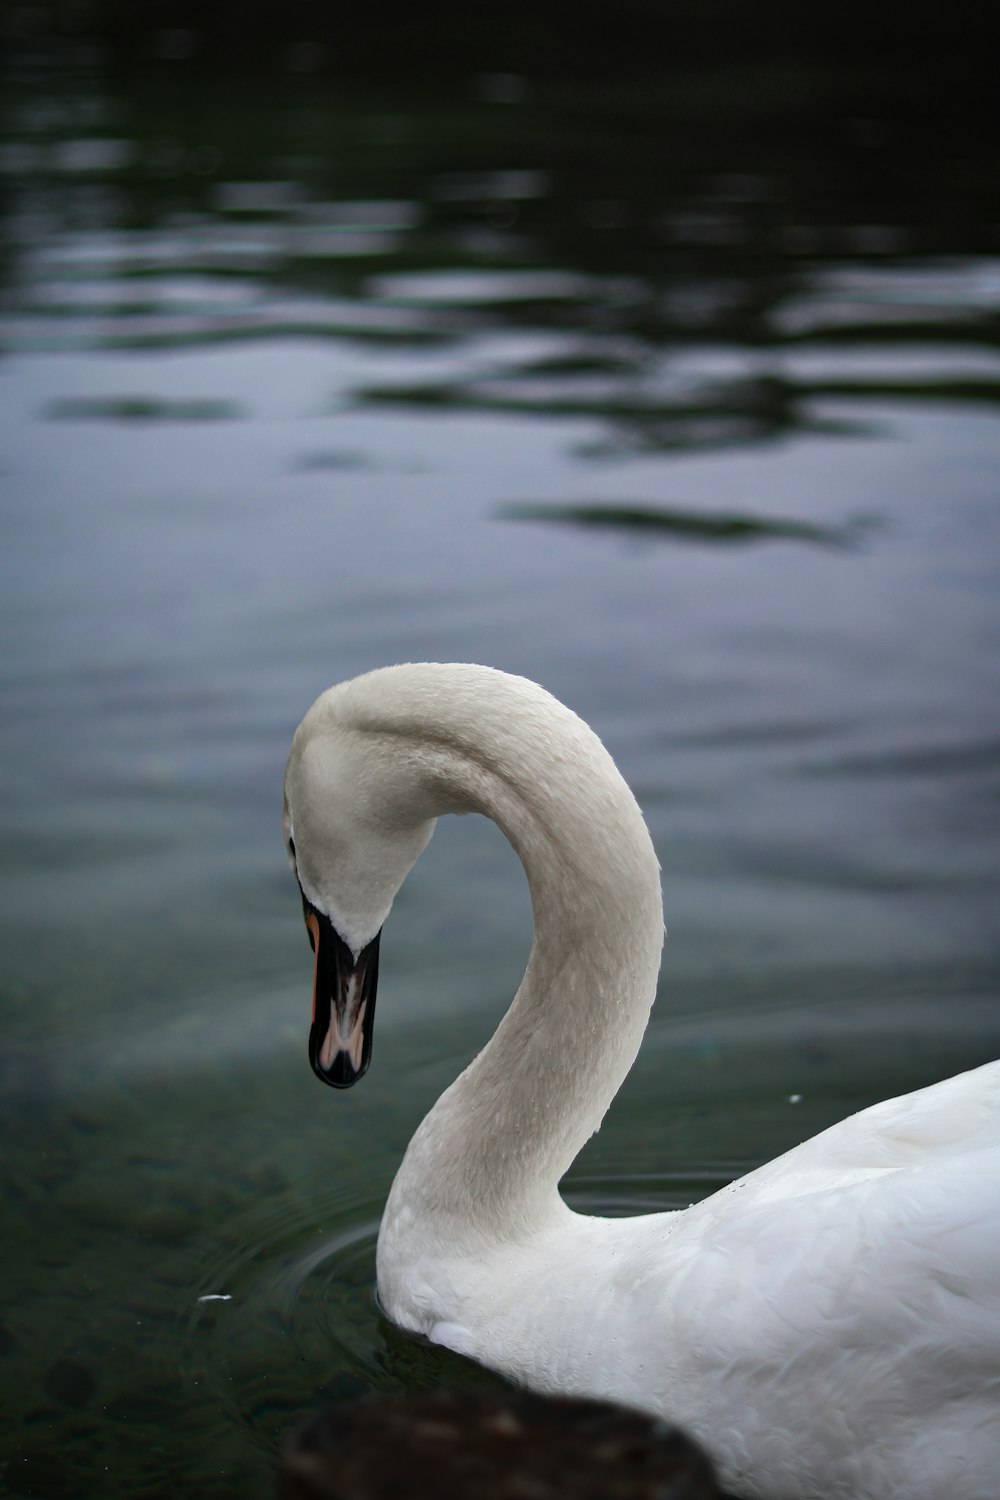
x,y
642,283
690,526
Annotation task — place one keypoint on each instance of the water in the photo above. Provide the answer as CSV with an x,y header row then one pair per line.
x,y
675,391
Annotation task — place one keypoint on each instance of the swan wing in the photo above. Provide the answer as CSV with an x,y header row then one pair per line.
x,y
948,1121
850,1290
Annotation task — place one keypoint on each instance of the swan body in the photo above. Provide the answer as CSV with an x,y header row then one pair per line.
x,y
829,1325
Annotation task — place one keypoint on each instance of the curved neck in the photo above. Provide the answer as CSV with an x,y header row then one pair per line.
x,y
492,1150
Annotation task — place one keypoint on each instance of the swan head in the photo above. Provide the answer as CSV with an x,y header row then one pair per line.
x,y
352,836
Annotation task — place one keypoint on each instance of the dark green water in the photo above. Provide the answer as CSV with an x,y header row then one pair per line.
x,y
669,379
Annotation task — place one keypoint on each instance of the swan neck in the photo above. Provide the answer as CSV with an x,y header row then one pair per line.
x,y
497,1142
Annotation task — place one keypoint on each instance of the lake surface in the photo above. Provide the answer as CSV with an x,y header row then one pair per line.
x,y
674,390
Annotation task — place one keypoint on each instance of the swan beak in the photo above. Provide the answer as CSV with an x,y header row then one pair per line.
x,y
340,1038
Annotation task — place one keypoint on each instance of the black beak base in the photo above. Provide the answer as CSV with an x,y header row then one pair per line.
x,y
344,989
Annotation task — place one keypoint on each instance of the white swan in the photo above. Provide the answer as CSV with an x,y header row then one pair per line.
x,y
829,1325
